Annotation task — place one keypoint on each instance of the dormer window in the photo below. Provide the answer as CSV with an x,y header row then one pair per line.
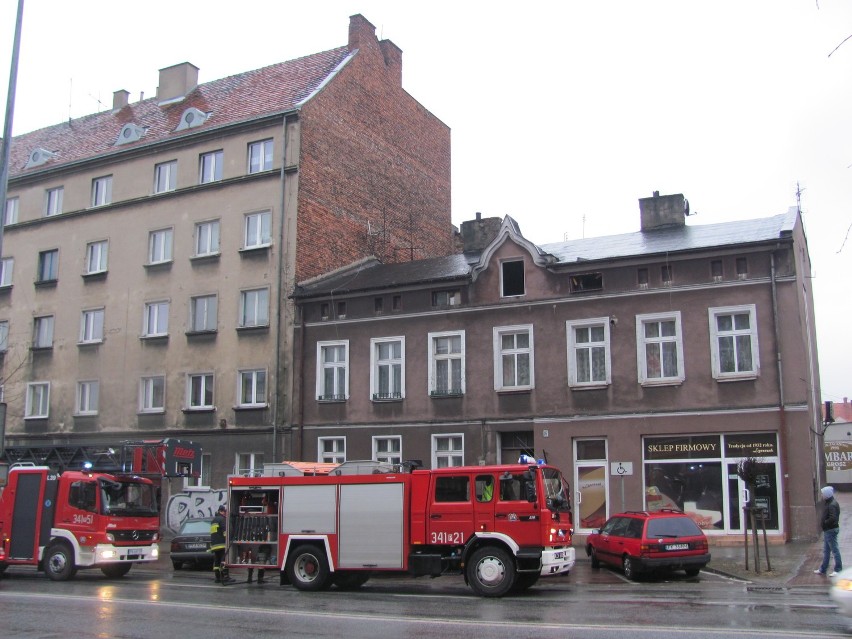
x,y
512,278
130,133
192,118
38,157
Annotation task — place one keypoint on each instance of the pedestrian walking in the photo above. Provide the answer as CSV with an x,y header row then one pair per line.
x,y
830,530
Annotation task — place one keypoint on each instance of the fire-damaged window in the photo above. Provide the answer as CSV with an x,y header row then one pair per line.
x,y
452,489
512,278
586,282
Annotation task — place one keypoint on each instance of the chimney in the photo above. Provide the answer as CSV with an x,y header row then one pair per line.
x,y
393,60
361,32
176,82
662,211
119,99
477,234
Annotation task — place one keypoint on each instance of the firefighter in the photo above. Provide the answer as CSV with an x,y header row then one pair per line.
x,y
217,545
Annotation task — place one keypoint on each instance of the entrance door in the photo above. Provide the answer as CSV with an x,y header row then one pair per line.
x,y
764,496
590,484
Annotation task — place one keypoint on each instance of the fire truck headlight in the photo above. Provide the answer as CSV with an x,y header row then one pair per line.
x,y
156,537
108,554
110,537
155,551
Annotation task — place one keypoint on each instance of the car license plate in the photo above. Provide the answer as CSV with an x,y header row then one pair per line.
x,y
196,547
677,546
559,555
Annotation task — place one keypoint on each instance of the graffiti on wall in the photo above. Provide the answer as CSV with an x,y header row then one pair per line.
x,y
186,505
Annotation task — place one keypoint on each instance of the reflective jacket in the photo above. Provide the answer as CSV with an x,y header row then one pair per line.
x,y
217,532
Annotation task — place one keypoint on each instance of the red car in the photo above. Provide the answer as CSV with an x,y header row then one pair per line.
x,y
644,542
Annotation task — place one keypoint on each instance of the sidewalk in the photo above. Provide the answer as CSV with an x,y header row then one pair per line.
x,y
793,564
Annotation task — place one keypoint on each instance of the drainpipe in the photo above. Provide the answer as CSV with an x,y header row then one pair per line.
x,y
280,280
782,416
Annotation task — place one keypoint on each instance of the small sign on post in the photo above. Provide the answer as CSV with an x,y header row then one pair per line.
x,y
621,469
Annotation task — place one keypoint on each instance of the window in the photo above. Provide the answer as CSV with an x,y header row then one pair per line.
x,y
92,326
333,371
446,364
397,303
96,257
445,299
642,278
387,450
447,451
199,391
203,479
666,274
341,310
379,305
43,332
53,201
586,282
7,267
38,400
207,238
332,450
387,368
589,363
512,278
513,358
252,391
152,394
87,398
742,268
659,348
254,308
4,336
716,271
48,266
258,232
210,167
160,246
102,190
260,156
10,213
450,489
165,177
249,464
324,312
156,321
733,342
203,313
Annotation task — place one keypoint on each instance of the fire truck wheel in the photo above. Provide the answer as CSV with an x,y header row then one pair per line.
x,y
116,570
59,562
491,572
345,580
3,568
307,569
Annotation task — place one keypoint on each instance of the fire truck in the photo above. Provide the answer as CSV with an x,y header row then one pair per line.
x,y
501,527
60,513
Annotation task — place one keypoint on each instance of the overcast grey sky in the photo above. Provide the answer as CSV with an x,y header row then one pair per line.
x,y
563,114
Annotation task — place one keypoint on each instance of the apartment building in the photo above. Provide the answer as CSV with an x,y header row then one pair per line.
x,y
149,250
646,365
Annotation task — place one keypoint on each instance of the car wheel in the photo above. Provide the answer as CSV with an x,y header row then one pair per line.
x,y
593,554
692,572
628,564
116,570
491,572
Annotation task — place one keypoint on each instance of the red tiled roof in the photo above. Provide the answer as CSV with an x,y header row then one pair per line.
x,y
246,96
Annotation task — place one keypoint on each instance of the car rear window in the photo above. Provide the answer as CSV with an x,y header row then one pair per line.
x,y
195,527
673,527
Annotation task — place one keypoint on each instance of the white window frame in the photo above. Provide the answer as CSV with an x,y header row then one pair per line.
x,y
337,455
198,387
254,307
97,257
38,401
53,201
207,238
389,455
337,367
87,397
260,156
210,167
513,260
48,266
575,347
43,331
165,177
252,375
254,235
92,326
498,333
447,458
7,270
11,211
4,336
248,464
642,343
391,362
148,386
155,322
102,191
715,336
160,245
200,306
203,479
435,357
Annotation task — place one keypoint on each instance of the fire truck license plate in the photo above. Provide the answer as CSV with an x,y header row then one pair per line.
x,y
677,546
559,555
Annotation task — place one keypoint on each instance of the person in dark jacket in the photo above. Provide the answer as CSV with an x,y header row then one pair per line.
x,y
217,544
830,529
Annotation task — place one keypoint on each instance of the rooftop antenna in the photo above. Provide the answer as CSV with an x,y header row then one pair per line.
x,y
584,225
799,191
70,96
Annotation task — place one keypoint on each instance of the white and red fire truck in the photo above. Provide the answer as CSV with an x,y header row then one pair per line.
x,y
502,527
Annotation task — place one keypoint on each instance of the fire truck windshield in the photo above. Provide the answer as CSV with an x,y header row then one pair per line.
x,y
127,498
556,490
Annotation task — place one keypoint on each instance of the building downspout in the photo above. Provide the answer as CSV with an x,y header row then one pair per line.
x,y
280,280
782,416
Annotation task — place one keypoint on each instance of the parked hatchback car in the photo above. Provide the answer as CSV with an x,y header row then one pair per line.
x,y
191,545
649,541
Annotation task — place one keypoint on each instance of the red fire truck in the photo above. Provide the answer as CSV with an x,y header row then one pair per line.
x,y
502,527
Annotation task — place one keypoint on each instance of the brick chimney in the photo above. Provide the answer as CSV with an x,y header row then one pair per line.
x,y
119,99
362,33
477,234
177,81
662,211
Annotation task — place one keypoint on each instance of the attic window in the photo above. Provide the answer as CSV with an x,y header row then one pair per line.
x,y
586,282
130,133
512,278
192,118
38,157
